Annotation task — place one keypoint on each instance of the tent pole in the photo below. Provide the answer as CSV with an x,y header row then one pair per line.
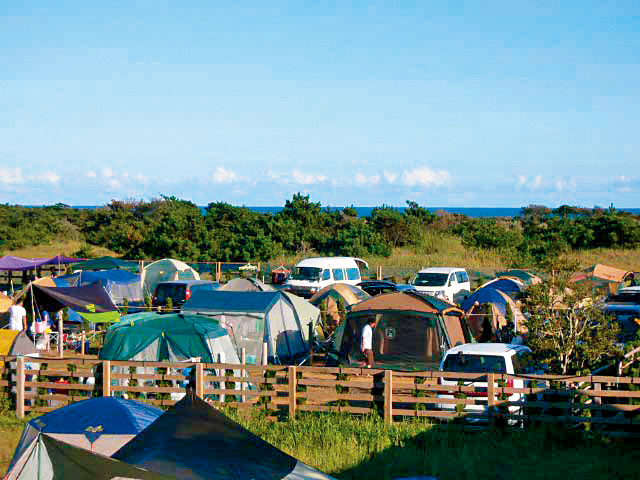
x,y
60,334
33,310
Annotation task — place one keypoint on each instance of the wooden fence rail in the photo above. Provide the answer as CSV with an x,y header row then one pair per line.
x,y
38,385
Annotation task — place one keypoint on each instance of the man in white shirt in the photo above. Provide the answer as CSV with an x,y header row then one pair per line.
x,y
17,317
366,344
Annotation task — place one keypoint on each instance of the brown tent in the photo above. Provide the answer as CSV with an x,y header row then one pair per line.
x,y
413,330
603,276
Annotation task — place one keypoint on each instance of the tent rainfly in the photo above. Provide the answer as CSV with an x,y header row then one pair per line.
x,y
92,303
194,441
413,330
51,459
101,425
119,284
349,294
171,337
252,318
245,285
15,342
166,270
487,313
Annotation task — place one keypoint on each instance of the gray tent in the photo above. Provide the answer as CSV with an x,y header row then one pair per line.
x,y
51,459
253,318
194,441
246,285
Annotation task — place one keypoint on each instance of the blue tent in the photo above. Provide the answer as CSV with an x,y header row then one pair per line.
x,y
101,424
120,284
505,285
486,295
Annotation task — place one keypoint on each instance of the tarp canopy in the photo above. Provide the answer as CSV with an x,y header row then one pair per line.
x,y
15,342
9,262
253,318
51,459
108,263
91,303
412,333
194,441
166,270
119,284
603,274
246,285
151,336
101,424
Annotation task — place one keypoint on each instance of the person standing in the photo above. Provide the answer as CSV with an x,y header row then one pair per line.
x,y
17,317
366,344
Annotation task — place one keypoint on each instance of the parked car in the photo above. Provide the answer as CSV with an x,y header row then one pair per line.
x,y
449,283
376,287
313,274
179,291
489,358
626,295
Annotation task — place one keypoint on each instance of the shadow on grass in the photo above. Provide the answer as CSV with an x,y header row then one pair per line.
x,y
451,452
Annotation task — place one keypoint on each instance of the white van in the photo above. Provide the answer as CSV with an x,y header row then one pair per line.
x,y
447,283
313,274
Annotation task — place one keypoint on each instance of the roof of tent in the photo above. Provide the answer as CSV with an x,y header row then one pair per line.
x,y
601,273
9,262
108,263
506,285
15,342
114,415
185,333
166,270
217,301
349,293
91,302
88,277
53,459
195,441
529,278
246,285
486,295
408,300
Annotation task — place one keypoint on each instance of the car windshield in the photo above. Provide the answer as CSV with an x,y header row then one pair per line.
x,y
473,363
630,297
431,279
306,273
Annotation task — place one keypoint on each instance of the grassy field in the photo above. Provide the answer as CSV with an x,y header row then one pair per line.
x,y
58,248
364,448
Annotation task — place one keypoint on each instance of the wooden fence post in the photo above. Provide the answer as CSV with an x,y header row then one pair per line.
x,y
82,340
388,397
200,380
491,396
243,374
20,380
265,353
292,378
106,378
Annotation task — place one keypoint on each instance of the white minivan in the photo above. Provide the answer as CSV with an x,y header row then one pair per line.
x,y
311,275
448,283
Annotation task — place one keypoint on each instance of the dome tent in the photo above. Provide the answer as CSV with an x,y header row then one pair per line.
x,y
413,332
172,337
246,285
497,303
102,425
349,294
165,270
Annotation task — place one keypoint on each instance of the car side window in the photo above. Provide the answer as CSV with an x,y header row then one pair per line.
x,y
353,274
338,274
452,279
326,274
465,277
459,277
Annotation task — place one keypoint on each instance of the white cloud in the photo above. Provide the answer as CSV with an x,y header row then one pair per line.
x,y
522,180
390,177
565,184
307,178
537,182
362,179
107,173
222,175
425,177
92,174
11,176
48,177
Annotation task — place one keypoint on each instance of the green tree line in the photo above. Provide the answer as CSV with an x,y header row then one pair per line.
x,y
171,227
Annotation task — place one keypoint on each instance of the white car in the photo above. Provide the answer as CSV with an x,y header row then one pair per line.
x,y
313,274
448,283
488,358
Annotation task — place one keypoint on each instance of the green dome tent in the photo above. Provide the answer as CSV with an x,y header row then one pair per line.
x,y
168,337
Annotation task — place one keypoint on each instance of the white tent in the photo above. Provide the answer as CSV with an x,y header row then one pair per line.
x,y
165,270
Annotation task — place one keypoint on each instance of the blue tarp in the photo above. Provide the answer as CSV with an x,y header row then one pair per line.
x,y
103,276
486,295
117,416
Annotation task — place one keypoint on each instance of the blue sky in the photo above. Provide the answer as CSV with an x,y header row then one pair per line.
x,y
471,104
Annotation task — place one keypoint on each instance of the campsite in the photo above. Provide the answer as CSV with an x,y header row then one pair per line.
x,y
267,359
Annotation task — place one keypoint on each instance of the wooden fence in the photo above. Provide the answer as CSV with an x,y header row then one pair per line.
x,y
38,385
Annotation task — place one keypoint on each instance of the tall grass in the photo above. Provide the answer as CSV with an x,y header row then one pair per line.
x,y
59,247
348,447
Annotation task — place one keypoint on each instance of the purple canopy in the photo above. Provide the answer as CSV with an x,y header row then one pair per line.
x,y
9,262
